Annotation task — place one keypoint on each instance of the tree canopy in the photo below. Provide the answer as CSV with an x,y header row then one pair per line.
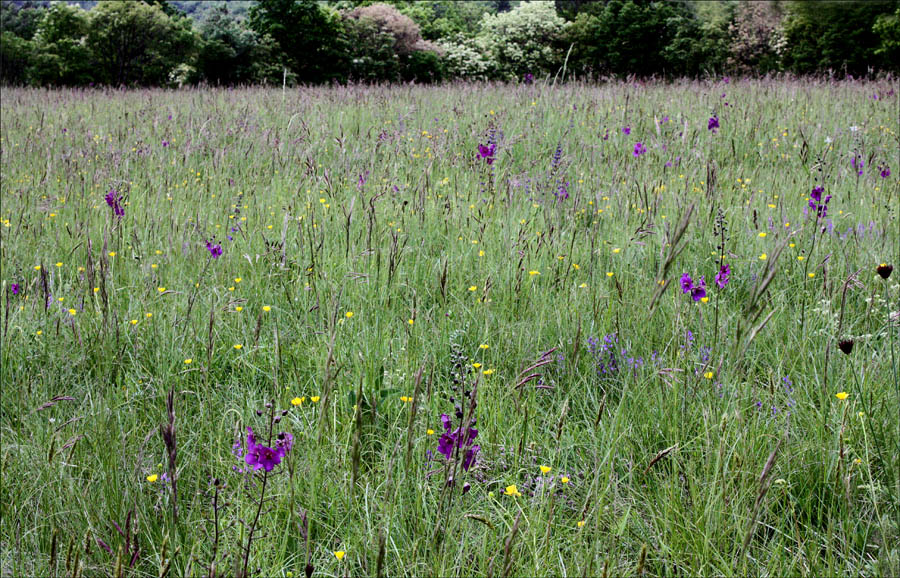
x,y
169,42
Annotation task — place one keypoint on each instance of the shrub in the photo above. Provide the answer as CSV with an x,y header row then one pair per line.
x,y
468,58
384,44
754,34
524,40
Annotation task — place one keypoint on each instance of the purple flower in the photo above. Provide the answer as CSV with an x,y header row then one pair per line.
x,y
713,123
165,143
857,164
487,152
562,193
284,440
626,130
698,291
449,441
215,251
445,445
529,78
112,199
815,202
15,288
885,172
639,149
469,458
263,457
722,276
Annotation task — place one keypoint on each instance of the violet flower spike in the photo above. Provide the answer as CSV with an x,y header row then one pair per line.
x,y
722,276
698,291
815,202
262,457
450,441
215,251
487,152
112,199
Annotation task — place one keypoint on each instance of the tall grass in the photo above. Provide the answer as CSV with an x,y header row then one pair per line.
x,y
377,273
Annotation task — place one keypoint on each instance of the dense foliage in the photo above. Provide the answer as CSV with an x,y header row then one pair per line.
x,y
155,42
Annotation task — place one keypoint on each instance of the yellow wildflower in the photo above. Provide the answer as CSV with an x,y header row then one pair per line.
x,y
512,491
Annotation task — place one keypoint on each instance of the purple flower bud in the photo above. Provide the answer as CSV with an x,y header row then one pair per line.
x,y
722,276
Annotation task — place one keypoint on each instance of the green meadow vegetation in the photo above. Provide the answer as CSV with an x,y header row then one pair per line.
x,y
477,330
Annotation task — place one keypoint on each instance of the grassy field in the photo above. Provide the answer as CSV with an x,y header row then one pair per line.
x,y
680,357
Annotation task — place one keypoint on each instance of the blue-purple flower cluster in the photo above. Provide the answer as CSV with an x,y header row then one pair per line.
x,y
458,441
115,203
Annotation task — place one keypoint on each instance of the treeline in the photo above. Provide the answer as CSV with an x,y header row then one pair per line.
x,y
153,43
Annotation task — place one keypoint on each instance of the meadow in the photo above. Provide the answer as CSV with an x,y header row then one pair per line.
x,y
476,330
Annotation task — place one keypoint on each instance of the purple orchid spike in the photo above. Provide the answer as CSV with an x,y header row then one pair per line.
x,y
215,251
722,276
112,199
487,152
262,457
698,291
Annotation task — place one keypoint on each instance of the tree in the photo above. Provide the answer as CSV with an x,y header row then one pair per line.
x,y
570,9
887,30
167,7
385,44
307,35
61,55
137,43
446,18
229,53
834,36
20,19
634,37
18,24
16,55
525,40
755,26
